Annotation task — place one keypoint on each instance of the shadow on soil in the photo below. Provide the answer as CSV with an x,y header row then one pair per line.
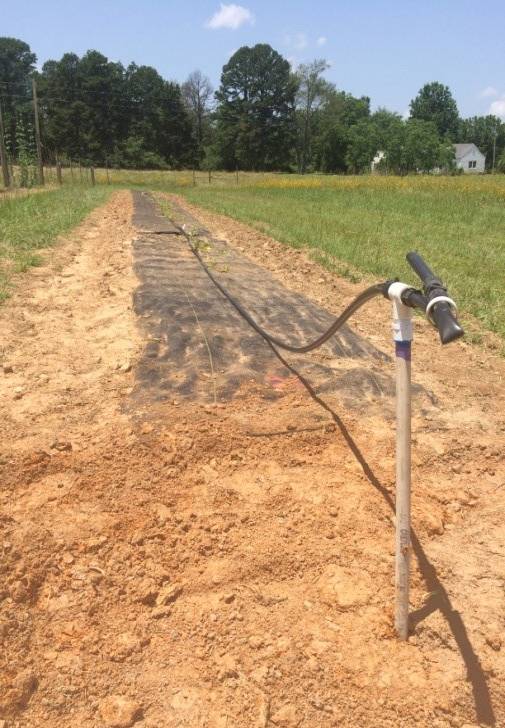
x,y
439,598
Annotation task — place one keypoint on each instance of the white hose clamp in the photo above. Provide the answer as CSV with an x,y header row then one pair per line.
x,y
439,299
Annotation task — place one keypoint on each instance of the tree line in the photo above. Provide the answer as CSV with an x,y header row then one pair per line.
x,y
264,116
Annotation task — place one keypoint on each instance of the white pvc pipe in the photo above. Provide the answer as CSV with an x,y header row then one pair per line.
x,y
402,335
403,436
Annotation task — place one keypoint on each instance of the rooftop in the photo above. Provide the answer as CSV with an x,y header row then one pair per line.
x,y
462,149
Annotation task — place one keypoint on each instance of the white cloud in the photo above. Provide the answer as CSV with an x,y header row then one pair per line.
x,y
298,41
497,108
322,40
230,16
489,91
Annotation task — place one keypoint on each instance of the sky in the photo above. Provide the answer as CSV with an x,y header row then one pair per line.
x,y
383,49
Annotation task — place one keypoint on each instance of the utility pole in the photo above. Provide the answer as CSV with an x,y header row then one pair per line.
x,y
37,132
3,153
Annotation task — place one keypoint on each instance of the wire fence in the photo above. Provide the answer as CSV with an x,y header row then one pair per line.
x,y
75,172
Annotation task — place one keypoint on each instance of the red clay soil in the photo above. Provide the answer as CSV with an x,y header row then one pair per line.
x,y
231,566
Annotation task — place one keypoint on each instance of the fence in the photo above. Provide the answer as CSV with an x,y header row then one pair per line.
x,y
63,172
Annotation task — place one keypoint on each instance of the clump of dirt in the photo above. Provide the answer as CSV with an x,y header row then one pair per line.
x,y
232,564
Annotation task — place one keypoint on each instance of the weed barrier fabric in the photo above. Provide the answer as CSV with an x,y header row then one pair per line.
x,y
199,347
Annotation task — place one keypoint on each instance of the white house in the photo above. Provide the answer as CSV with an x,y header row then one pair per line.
x,y
469,158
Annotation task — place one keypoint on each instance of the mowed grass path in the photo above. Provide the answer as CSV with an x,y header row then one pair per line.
x,y
369,225
34,221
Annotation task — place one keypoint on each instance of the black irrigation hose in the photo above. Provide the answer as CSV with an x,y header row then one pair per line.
x,y
378,289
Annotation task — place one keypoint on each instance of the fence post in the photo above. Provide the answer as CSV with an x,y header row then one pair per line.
x,y
92,173
3,154
210,176
107,170
194,178
38,142
237,174
80,171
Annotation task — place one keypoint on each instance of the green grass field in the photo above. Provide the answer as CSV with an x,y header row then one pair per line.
x,y
356,226
368,224
29,223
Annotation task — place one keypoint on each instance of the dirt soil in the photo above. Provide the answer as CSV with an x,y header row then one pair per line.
x,y
185,563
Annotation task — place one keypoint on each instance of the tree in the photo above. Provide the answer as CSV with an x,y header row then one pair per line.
x,y
312,90
331,148
158,117
415,146
390,136
81,101
345,108
17,64
96,110
363,145
255,117
332,122
423,150
197,94
500,165
435,103
411,146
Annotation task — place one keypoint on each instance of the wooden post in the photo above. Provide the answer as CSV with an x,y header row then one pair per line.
x,y
72,171
210,176
37,133
194,178
237,174
80,170
92,173
3,153
107,170
58,173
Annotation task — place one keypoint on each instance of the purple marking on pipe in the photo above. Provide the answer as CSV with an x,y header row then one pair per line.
x,y
403,349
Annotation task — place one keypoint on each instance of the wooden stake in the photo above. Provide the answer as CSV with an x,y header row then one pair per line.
x,y
37,133
107,170
194,178
92,173
3,153
58,173
210,176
